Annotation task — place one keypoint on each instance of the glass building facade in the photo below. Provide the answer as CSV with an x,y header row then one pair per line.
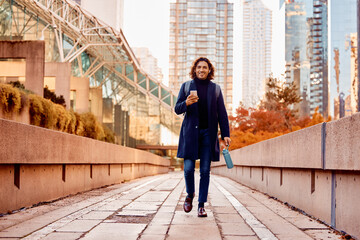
x,y
342,48
257,34
306,54
202,28
138,108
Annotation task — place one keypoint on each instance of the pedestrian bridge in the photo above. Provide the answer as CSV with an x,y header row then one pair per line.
x,y
314,170
129,193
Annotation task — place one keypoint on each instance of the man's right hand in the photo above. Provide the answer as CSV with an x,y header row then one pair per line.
x,y
191,99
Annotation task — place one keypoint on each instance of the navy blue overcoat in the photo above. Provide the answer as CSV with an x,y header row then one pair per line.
x,y
189,135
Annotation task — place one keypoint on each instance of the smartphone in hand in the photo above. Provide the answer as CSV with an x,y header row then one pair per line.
x,y
193,92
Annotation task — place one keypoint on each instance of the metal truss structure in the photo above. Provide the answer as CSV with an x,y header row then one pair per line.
x,y
108,46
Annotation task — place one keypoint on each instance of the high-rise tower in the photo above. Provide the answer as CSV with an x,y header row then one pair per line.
x,y
306,54
257,24
148,62
202,28
342,48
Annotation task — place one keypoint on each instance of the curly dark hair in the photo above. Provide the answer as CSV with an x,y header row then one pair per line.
x,y
195,63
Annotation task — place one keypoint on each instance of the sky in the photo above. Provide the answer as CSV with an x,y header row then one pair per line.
x,y
146,24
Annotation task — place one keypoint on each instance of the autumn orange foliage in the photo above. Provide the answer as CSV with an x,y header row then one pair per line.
x,y
250,126
274,116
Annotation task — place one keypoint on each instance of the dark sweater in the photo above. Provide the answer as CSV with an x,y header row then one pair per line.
x,y
202,87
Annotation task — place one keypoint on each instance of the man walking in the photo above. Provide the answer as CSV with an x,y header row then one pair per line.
x,y
202,104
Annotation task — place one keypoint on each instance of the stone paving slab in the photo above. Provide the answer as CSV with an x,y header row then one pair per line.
x,y
107,231
224,209
167,209
152,237
96,215
137,213
162,218
156,229
198,232
62,236
303,222
191,218
240,238
322,234
167,186
115,205
237,229
79,226
151,206
21,229
229,218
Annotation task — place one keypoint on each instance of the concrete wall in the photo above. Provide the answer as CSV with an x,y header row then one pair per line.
x,y
316,169
62,73
81,86
57,164
96,105
34,53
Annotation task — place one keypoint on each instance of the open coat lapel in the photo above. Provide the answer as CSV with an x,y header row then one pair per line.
x,y
210,105
195,105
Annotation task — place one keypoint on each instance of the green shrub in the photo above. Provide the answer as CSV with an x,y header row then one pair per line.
x,y
17,84
71,128
42,112
10,99
92,128
23,93
63,118
49,114
24,100
79,125
52,97
45,113
35,109
21,87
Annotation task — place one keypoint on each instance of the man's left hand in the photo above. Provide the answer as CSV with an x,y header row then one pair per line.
x,y
227,141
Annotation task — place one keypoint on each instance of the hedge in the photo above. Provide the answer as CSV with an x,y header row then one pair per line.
x,y
44,113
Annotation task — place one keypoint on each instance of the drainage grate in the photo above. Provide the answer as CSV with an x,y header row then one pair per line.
x,y
133,219
133,216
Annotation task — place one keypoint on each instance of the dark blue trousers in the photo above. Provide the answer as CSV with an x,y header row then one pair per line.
x,y
205,162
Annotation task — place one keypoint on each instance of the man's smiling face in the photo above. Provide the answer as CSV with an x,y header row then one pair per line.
x,y
202,70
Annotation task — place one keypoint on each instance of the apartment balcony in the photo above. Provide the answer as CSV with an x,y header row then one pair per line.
x,y
316,35
317,4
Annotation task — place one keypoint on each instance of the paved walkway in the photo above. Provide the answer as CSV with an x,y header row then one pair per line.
x,y
151,208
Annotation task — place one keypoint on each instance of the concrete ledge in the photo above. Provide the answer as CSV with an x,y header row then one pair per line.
x,y
26,144
300,149
343,143
38,164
